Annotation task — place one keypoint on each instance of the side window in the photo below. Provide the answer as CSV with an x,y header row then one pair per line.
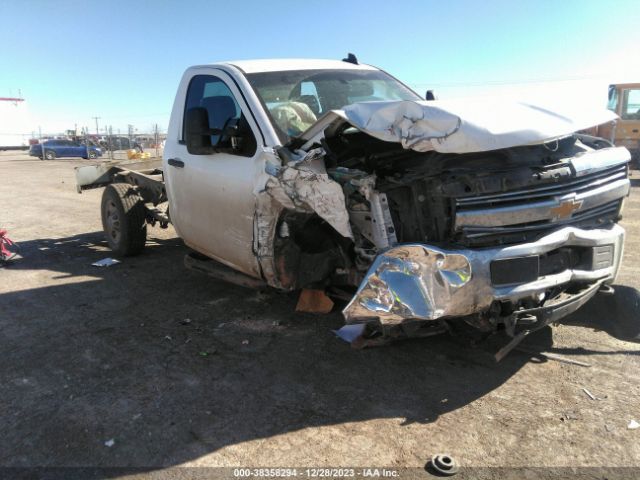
x,y
213,94
631,105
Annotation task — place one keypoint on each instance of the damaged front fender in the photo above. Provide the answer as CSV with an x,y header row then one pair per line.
x,y
299,185
305,186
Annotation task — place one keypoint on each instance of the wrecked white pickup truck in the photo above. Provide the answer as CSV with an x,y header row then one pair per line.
x,y
335,176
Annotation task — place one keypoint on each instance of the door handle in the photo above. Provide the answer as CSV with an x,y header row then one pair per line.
x,y
635,130
176,162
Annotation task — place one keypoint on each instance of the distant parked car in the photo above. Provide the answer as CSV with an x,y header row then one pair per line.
x,y
63,148
119,143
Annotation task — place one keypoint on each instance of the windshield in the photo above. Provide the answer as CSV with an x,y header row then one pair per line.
x,y
295,99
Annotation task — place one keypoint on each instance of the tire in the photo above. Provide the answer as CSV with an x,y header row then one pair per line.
x,y
93,154
49,154
124,219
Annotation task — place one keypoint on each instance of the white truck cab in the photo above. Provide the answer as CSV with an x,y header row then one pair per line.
x,y
215,189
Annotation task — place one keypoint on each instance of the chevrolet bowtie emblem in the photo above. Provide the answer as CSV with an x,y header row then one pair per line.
x,y
565,209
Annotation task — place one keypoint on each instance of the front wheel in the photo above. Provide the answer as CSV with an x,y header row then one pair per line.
x,y
124,219
93,154
50,155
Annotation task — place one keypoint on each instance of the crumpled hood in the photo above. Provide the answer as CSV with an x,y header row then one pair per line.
x,y
461,125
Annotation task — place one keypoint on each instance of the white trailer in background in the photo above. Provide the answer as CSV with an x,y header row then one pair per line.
x,y
14,124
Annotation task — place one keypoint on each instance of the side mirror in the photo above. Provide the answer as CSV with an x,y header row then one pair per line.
x,y
197,132
430,95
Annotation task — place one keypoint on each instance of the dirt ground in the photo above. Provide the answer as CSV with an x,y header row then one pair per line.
x,y
148,365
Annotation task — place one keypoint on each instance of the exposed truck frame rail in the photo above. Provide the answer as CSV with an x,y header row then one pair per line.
x,y
146,176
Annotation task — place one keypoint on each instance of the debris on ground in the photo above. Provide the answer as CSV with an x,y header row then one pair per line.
x,y
245,342
589,394
569,415
106,262
314,301
633,425
5,253
110,443
168,337
351,332
443,464
371,335
186,321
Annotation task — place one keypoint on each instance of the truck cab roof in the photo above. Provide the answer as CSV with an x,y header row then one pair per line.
x,y
285,64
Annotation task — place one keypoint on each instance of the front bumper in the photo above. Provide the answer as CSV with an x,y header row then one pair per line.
x,y
424,282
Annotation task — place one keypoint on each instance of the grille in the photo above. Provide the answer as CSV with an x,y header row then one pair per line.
x,y
609,186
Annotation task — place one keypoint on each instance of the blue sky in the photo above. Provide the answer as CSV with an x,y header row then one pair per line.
x,y
122,60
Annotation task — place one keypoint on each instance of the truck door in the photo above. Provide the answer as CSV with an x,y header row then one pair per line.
x,y
211,199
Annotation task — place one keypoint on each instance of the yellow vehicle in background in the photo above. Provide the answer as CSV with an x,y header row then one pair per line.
x,y
624,100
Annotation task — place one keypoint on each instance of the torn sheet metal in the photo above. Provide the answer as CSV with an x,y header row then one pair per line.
x,y
410,282
461,125
305,186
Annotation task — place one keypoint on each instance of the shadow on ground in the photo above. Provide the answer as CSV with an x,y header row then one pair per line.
x,y
173,365
617,314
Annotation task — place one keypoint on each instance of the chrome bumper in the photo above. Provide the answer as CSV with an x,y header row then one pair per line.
x,y
423,282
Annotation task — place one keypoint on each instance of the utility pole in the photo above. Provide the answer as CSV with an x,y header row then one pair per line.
x,y
156,139
110,144
86,141
41,142
96,119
